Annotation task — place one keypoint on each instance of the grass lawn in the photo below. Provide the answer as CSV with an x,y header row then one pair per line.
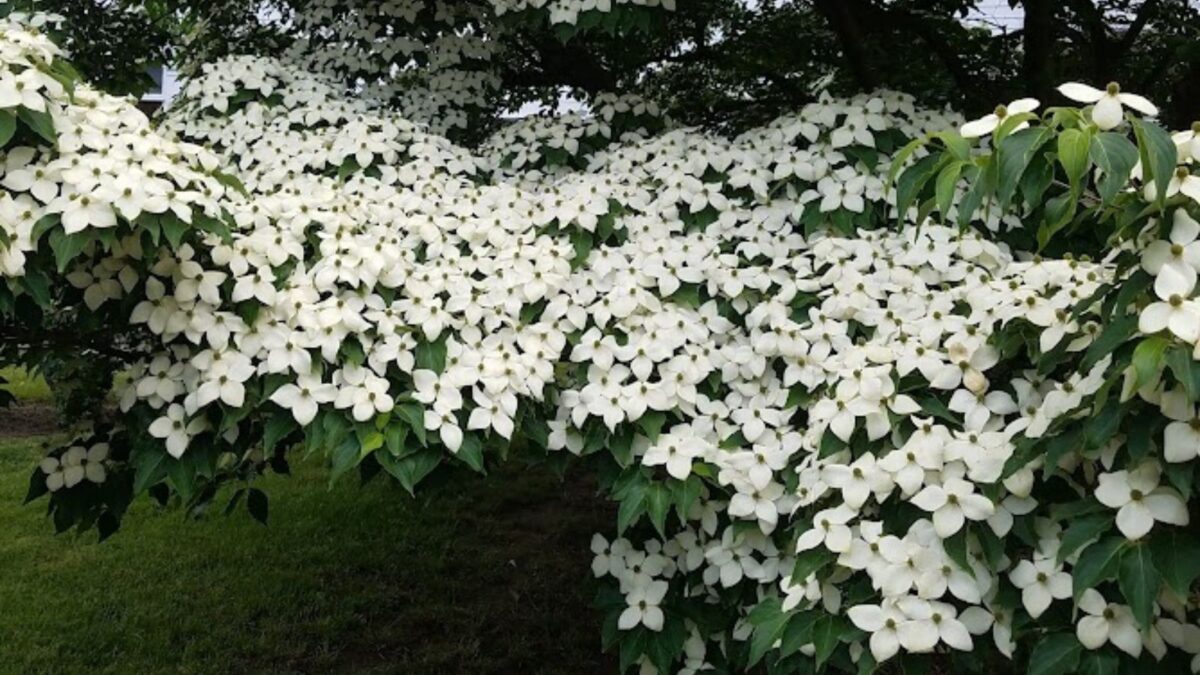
x,y
489,577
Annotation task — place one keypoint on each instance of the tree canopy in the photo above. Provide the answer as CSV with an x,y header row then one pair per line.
x,y
712,61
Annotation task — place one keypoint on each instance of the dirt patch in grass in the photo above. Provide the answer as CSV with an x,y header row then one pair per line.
x,y
29,419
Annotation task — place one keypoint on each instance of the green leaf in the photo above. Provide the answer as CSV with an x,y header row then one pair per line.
x,y
1015,153
345,456
1056,654
901,157
40,122
1176,556
912,181
1083,531
1059,211
1097,563
471,451
173,229
937,408
432,355
1116,157
1011,124
150,467
944,188
827,632
769,620
658,503
414,414
666,645
809,562
276,428
1099,663
958,146
213,225
1148,358
1114,334
258,505
1185,370
651,423
582,241
621,446
1037,180
412,469
38,286
1139,582
1073,154
980,186
799,632
688,295
67,247
956,548
633,504
686,492
1158,154
230,181
8,126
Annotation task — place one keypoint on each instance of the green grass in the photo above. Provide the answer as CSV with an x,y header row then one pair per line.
x,y
488,577
25,388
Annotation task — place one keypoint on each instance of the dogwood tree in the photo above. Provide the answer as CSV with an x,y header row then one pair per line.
x,y
874,386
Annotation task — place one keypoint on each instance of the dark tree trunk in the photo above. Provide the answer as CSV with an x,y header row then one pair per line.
x,y
842,19
1037,69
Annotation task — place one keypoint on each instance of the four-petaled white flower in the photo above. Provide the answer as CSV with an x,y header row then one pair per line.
x,y
643,607
1041,581
1140,500
1107,622
951,503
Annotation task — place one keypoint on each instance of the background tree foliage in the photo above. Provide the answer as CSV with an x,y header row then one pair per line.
x,y
718,61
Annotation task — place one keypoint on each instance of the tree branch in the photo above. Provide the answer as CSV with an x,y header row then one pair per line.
x,y
65,339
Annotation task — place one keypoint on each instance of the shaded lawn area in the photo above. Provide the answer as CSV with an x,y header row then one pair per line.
x,y
492,576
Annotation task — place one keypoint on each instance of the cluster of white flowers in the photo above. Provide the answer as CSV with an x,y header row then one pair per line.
x,y
75,465
675,276
533,142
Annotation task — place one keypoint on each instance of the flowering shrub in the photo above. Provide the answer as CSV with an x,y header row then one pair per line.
x,y
866,389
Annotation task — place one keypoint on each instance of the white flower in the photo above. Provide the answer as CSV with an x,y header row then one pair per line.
x,y
1181,254
644,607
1140,500
1177,314
1041,582
988,123
1107,110
1181,438
87,211
175,428
829,528
74,466
950,503
883,623
676,450
304,397
1107,622
496,412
